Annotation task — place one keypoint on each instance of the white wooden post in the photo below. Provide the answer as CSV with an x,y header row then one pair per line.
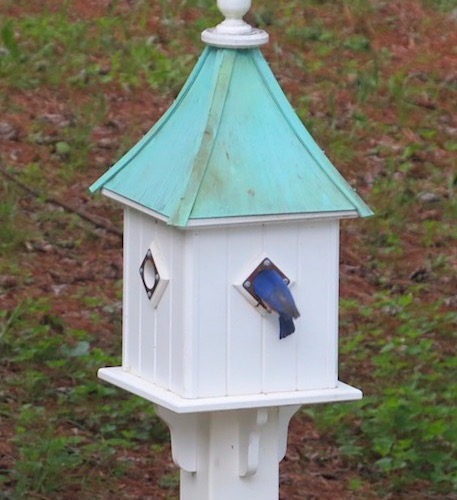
x,y
232,454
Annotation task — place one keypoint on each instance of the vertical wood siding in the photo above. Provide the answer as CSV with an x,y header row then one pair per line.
x,y
204,339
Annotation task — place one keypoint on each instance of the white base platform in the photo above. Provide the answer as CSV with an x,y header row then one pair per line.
x,y
136,385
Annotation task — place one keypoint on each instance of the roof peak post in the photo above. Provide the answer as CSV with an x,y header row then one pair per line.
x,y
234,32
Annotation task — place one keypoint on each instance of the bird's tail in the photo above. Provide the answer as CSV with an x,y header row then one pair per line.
x,y
286,326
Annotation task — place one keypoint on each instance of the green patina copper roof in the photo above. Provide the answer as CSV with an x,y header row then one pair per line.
x,y
230,146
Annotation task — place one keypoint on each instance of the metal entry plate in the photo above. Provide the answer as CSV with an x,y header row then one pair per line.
x,y
245,284
154,274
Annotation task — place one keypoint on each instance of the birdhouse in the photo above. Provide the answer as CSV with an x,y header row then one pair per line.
x,y
226,191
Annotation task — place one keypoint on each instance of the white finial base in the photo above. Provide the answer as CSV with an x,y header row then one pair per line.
x,y
233,32
253,38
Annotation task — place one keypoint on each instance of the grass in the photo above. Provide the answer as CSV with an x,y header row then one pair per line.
x,y
373,83
56,51
51,386
403,429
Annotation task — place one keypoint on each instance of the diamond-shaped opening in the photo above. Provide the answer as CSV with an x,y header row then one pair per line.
x,y
249,281
149,274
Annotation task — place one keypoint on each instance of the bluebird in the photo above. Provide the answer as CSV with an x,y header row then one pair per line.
x,y
270,287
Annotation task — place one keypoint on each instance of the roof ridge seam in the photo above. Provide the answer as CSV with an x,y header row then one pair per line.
x,y
181,212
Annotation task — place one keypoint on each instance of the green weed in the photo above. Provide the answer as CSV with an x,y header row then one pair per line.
x,y
52,46
169,481
56,393
9,40
11,235
443,5
405,423
45,460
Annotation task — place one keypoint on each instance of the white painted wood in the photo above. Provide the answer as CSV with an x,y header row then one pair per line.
x,y
234,9
317,287
279,355
241,39
218,457
210,290
233,31
333,301
180,313
251,425
229,454
161,307
244,339
148,313
186,433
285,414
202,338
188,336
131,344
121,378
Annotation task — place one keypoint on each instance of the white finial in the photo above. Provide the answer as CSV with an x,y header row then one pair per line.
x,y
233,32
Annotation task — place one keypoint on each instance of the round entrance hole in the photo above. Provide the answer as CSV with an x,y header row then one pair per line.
x,y
150,275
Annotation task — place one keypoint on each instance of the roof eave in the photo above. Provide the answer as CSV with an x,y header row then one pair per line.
x,y
231,220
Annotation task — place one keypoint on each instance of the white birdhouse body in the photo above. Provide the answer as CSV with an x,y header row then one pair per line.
x,y
227,184
204,338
